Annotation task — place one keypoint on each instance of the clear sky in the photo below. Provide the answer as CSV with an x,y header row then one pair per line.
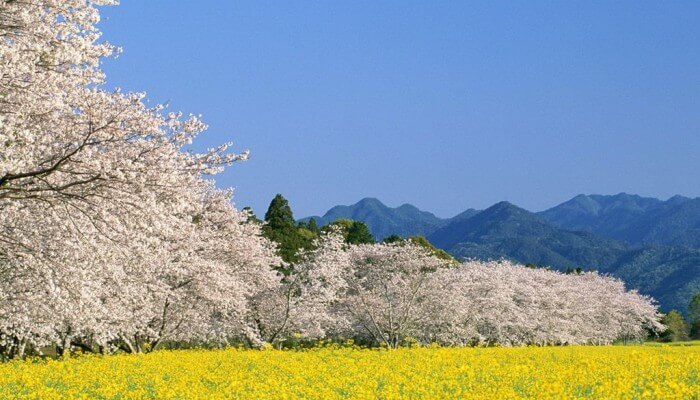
x,y
445,105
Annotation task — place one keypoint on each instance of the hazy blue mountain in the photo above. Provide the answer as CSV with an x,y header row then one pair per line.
x,y
507,231
653,245
464,215
677,223
670,274
382,221
631,218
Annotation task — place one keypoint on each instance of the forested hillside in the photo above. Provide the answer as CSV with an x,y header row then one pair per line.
x,y
653,245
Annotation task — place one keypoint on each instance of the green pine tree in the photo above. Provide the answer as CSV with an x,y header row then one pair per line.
x,y
359,234
279,214
313,226
281,228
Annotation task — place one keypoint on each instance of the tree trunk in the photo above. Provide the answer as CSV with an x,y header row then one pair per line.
x,y
20,349
63,350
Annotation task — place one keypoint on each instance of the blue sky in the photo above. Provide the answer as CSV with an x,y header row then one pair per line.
x,y
445,105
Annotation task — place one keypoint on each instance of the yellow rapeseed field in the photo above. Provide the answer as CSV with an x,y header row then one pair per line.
x,y
633,372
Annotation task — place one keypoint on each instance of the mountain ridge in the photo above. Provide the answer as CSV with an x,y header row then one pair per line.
x,y
653,245
634,219
382,221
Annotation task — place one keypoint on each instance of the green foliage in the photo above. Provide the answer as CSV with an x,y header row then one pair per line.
x,y
279,214
354,232
343,224
251,215
676,327
359,234
694,316
694,308
439,253
307,234
695,330
393,239
281,228
313,227
423,242
573,271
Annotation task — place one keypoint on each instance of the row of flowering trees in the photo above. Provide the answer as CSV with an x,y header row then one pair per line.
x,y
112,238
390,293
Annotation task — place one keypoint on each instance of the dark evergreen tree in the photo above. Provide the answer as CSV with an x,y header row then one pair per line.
x,y
359,233
281,228
393,239
694,316
354,232
313,226
279,214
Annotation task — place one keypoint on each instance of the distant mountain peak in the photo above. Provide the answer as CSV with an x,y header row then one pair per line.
x,y
468,213
506,208
623,234
382,221
503,204
678,199
370,201
628,217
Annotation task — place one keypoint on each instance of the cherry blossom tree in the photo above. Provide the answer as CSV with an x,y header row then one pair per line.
x,y
109,234
508,304
371,291
385,293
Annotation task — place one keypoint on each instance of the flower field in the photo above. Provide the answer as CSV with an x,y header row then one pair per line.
x,y
640,372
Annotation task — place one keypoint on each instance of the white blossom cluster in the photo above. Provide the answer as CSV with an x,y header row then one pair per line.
x,y
392,293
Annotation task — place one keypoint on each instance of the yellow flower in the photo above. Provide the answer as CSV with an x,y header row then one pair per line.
x,y
348,372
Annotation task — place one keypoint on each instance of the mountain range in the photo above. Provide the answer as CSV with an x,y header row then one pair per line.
x,y
651,244
630,218
405,220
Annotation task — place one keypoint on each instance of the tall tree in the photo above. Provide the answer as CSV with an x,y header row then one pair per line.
x,y
676,327
279,214
359,233
281,228
313,226
109,235
694,316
